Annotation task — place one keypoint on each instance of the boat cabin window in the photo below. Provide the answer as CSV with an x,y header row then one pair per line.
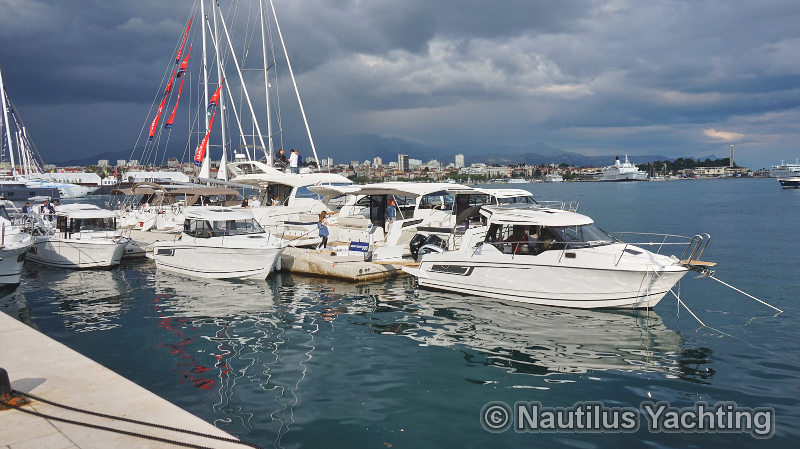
x,y
280,191
438,200
303,192
4,213
236,227
197,228
66,225
523,239
524,199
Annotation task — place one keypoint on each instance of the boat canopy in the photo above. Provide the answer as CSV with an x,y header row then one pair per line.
x,y
332,191
413,189
533,215
83,211
262,175
153,193
216,214
505,193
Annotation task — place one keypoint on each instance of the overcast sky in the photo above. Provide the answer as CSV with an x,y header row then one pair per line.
x,y
665,77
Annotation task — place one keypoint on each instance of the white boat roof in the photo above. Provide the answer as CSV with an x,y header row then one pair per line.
x,y
411,188
77,210
216,213
332,191
261,174
534,215
504,193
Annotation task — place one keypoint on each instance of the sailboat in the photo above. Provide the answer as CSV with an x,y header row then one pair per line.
x,y
27,178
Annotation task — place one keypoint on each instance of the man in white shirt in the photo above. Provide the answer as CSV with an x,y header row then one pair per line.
x,y
255,202
293,161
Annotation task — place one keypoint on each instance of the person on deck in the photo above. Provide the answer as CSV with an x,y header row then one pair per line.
x,y
255,202
280,159
391,210
293,161
322,225
26,209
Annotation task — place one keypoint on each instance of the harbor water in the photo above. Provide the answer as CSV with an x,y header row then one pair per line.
x,y
296,362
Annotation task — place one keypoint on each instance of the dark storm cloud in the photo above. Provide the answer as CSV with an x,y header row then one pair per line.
x,y
584,74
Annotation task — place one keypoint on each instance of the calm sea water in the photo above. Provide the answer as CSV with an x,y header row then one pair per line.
x,y
307,362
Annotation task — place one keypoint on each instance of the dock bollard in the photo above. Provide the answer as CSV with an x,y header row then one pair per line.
x,y
5,384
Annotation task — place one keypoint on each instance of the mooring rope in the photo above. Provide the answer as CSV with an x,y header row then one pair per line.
x,y
119,418
744,293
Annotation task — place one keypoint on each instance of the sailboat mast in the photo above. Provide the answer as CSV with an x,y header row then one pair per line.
x,y
266,86
222,174
204,170
7,124
294,82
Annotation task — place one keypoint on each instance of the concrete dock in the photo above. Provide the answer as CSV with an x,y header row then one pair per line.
x,y
41,366
332,265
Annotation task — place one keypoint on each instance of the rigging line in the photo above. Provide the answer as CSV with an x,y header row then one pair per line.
x,y
159,90
744,293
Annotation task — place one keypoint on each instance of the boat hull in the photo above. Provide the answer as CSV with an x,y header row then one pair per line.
x,y
12,260
790,183
215,262
67,253
550,282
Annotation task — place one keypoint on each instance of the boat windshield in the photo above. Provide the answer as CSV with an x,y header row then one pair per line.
x,y
438,200
524,199
590,233
93,224
236,227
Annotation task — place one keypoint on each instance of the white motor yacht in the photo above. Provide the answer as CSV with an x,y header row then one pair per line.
x,y
220,243
288,207
82,236
555,257
621,171
14,243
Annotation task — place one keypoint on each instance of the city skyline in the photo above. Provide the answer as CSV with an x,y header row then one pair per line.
x,y
590,77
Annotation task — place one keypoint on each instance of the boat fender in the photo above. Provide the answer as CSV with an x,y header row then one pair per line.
x,y
368,256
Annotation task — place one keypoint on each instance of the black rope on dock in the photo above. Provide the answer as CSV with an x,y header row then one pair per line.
x,y
119,418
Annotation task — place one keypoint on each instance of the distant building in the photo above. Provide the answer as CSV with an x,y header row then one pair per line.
x,y
354,164
133,163
414,163
172,162
122,163
402,162
102,163
433,164
459,161
730,162
377,161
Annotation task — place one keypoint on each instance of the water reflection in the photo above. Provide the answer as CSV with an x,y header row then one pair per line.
x,y
87,300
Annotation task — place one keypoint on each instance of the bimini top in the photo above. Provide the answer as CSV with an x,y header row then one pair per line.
x,y
533,215
411,188
260,174
216,213
83,211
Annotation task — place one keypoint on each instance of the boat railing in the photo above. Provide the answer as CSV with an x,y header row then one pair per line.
x,y
570,206
693,247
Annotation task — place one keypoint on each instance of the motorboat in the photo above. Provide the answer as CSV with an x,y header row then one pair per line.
x,y
159,207
546,256
14,243
790,183
553,177
287,204
82,236
219,243
621,171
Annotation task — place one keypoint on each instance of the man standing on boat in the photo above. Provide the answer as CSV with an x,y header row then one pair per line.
x,y
280,159
293,161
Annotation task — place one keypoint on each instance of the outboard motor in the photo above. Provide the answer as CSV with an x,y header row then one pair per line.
x,y
433,243
416,243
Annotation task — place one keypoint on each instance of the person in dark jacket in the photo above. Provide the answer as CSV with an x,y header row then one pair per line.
x,y
280,159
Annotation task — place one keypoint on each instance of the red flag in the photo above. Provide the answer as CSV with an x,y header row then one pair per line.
x,y
185,62
178,56
154,125
214,101
200,154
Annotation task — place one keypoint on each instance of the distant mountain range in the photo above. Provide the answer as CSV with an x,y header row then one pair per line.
x,y
361,147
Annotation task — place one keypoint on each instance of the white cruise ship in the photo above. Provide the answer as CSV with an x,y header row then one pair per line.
x,y
624,171
785,170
